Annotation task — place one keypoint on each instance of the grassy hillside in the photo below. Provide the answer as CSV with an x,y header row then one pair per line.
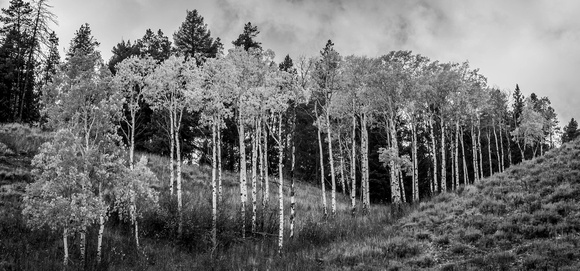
x,y
527,218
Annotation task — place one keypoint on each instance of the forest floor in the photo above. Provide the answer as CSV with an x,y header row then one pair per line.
x,y
527,218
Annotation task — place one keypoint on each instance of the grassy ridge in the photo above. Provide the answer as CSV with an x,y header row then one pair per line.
x,y
527,218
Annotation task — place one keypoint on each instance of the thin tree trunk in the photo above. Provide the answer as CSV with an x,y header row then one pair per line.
x,y
281,187
219,159
179,194
342,185
132,167
474,150
331,162
100,237
243,187
463,157
395,182
401,184
489,153
353,166
83,245
497,152
292,168
479,149
509,148
433,154
324,208
266,196
414,157
501,148
65,246
443,159
365,163
254,175
171,152
214,186
452,156
456,154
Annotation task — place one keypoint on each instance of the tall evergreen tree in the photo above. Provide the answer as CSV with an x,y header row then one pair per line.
x,y
83,42
570,131
193,39
16,39
248,38
518,105
52,59
156,45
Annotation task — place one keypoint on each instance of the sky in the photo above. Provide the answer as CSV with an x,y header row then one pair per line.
x,y
533,43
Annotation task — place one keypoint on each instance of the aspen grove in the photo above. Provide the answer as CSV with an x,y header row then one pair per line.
x,y
393,129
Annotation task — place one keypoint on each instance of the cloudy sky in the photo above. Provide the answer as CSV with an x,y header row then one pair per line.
x,y
535,44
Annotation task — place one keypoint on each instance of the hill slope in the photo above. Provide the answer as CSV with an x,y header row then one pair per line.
x,y
527,218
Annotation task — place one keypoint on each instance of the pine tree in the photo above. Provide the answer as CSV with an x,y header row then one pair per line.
x,y
193,39
17,20
83,42
571,131
247,39
156,45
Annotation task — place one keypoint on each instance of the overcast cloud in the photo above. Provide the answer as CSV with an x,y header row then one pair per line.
x,y
532,43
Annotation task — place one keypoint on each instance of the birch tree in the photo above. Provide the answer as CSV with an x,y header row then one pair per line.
x,y
80,99
219,77
327,76
168,84
62,197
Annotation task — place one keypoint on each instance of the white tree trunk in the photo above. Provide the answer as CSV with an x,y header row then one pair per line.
x,y
443,159
433,154
292,168
281,187
502,155
353,166
243,187
171,153
474,150
489,153
331,161
214,186
497,153
456,155
179,194
365,163
463,158
479,149
65,246
414,157
254,175
100,237
509,148
324,208
219,159
83,245
266,196
341,150
395,182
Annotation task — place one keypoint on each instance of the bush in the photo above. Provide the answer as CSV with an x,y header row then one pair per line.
x,y
22,139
